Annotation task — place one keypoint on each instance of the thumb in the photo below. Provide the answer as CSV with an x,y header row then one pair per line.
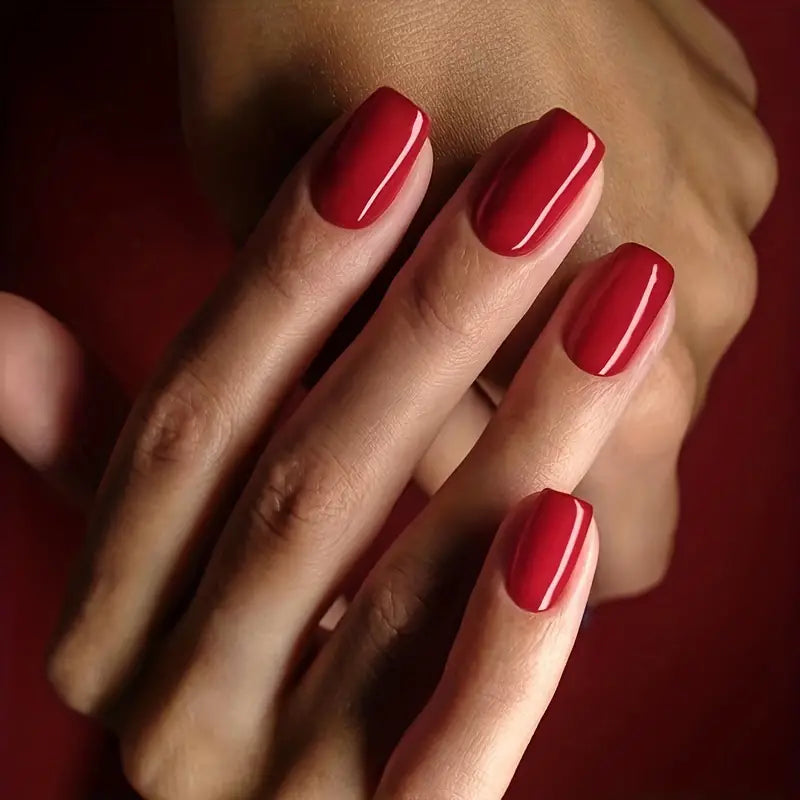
x,y
60,411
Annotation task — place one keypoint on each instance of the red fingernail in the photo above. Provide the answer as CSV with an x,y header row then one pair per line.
x,y
551,528
370,159
618,310
537,183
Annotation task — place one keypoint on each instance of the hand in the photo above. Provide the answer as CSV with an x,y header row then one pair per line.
x,y
218,686
690,173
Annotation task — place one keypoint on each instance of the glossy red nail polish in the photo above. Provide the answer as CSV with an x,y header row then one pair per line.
x,y
538,182
369,160
551,529
618,310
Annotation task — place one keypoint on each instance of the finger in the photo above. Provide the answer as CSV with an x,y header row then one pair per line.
x,y
507,659
560,409
340,214
456,437
60,411
330,476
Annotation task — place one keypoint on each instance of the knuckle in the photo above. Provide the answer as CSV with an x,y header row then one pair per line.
x,y
742,290
751,165
442,304
676,391
759,163
415,792
521,670
763,166
140,770
394,606
74,680
173,749
722,53
637,578
638,552
744,78
293,257
184,424
721,288
304,499
150,774
737,65
277,265
731,287
659,414
161,770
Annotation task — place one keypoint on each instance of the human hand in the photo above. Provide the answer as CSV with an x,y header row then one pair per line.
x,y
690,173
236,696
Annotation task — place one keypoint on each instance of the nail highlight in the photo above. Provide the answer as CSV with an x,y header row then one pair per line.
x,y
536,185
550,530
370,160
609,325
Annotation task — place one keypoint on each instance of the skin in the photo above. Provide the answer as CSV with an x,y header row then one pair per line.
x,y
200,728
690,172
219,687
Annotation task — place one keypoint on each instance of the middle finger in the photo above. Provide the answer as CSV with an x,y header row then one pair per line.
x,y
332,473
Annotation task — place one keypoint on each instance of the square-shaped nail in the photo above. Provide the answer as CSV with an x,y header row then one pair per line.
x,y
536,184
370,160
618,309
550,529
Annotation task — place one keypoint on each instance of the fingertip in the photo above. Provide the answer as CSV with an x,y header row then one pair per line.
x,y
59,410
41,369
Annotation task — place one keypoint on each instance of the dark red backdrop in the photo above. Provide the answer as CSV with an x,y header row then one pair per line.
x,y
689,692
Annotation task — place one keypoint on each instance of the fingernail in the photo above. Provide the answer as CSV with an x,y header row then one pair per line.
x,y
618,310
551,529
369,160
538,182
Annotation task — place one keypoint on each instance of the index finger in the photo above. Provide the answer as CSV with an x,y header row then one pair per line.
x,y
338,217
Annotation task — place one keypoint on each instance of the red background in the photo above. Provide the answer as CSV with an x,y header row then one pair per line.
x,y
691,692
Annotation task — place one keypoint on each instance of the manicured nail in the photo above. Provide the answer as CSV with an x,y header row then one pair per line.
x,y
369,160
550,530
538,182
618,310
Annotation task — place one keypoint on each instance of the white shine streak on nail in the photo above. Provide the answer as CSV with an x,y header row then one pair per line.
x,y
591,144
415,129
637,317
573,538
